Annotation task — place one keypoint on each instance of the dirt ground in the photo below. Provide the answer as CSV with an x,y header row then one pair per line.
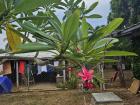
x,y
61,97
127,97
67,97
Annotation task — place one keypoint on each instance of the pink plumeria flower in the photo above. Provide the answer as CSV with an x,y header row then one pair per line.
x,y
85,74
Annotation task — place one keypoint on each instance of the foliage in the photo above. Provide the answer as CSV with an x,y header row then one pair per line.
x,y
61,85
12,11
127,9
136,71
2,51
13,38
64,36
72,82
130,11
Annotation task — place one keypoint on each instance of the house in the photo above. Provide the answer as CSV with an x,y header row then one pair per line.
x,y
47,75
132,33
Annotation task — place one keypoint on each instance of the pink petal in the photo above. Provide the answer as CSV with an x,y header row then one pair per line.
x,y
85,74
84,78
80,74
85,71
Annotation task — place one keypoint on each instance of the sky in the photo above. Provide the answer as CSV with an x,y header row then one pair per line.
x,y
102,9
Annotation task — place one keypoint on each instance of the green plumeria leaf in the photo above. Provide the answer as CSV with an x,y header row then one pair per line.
x,y
118,53
91,8
94,16
32,47
71,25
27,5
113,25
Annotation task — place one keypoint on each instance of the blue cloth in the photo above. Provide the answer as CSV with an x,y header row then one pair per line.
x,y
49,68
5,85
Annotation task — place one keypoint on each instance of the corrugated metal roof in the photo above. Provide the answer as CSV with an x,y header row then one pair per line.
x,y
127,31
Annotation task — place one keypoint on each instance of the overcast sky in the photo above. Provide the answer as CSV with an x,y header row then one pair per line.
x,y
103,9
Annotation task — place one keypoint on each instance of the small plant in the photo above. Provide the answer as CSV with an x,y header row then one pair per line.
x,y
61,85
136,70
72,82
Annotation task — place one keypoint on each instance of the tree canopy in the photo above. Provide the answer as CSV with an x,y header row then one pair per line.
x,y
127,9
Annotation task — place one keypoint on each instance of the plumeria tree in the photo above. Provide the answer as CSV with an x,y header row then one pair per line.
x,y
72,39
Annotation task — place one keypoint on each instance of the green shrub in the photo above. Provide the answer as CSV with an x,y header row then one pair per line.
x,y
136,70
72,82
61,85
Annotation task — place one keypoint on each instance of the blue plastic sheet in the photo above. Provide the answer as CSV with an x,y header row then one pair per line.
x,y
5,85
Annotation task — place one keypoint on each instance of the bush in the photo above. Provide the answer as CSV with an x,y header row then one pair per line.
x,y
72,82
61,85
136,70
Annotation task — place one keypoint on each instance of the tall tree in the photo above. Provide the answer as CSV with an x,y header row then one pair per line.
x,y
127,9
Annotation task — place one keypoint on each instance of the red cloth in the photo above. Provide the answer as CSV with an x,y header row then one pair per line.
x,y
21,67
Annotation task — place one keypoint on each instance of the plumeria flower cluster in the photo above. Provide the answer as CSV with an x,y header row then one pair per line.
x,y
86,76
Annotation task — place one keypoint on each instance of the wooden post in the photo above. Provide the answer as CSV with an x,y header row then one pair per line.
x,y
64,72
121,74
102,70
28,76
17,75
64,76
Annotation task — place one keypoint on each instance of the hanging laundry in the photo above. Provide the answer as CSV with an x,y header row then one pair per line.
x,y
39,69
50,68
1,67
56,63
43,68
7,68
5,85
22,67
1,70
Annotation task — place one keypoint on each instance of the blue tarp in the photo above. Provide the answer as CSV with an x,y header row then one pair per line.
x,y
5,85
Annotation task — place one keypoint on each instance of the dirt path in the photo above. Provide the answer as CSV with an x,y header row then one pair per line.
x,y
65,97
70,97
